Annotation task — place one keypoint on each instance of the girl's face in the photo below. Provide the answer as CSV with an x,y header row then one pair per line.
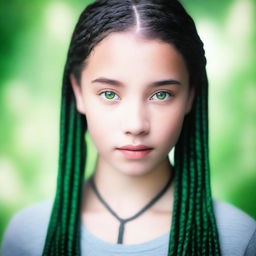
x,y
134,91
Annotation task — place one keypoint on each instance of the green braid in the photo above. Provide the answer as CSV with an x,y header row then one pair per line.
x,y
194,227
64,227
193,231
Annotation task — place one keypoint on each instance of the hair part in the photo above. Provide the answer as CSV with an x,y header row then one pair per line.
x,y
142,18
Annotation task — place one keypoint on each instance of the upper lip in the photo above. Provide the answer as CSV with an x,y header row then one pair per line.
x,y
135,147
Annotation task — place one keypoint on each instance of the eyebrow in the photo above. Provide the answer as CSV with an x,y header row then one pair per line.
x,y
113,82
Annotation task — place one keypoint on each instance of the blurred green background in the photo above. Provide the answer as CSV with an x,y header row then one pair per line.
x,y
34,41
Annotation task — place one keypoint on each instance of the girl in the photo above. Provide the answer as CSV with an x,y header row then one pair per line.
x,y
134,78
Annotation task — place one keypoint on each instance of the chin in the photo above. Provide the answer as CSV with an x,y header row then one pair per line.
x,y
135,172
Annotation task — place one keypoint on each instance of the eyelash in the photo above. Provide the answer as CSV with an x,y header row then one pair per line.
x,y
167,92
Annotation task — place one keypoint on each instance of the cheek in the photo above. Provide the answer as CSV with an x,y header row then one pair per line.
x,y
171,122
99,138
100,124
170,130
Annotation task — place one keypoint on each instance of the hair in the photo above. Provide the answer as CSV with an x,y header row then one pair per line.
x,y
193,230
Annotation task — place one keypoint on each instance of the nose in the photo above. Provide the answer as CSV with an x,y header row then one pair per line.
x,y
135,119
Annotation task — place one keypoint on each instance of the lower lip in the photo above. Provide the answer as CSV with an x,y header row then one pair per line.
x,y
135,154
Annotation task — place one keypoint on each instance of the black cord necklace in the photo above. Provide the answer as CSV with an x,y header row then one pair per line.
x,y
123,221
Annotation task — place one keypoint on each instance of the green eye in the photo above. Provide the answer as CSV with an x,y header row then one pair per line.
x,y
162,95
109,95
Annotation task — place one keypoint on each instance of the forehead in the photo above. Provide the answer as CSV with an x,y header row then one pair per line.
x,y
126,54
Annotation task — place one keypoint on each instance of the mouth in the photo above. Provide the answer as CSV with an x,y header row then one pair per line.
x,y
135,152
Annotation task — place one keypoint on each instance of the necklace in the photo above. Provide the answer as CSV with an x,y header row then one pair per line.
x,y
121,220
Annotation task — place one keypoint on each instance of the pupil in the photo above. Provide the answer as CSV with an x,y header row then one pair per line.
x,y
161,95
110,95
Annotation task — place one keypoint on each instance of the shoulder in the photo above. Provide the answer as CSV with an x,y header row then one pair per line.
x,y
236,229
26,232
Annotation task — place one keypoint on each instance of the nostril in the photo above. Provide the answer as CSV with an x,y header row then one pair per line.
x,y
133,128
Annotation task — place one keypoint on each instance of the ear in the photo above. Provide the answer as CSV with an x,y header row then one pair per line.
x,y
78,94
191,97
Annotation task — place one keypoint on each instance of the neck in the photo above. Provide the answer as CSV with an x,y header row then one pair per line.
x,y
126,193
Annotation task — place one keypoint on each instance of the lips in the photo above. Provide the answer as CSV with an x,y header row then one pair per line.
x,y
135,152
135,148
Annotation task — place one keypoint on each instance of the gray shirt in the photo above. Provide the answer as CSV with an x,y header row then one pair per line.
x,y
26,232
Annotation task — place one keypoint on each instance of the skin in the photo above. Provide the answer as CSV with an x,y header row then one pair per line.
x,y
132,113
